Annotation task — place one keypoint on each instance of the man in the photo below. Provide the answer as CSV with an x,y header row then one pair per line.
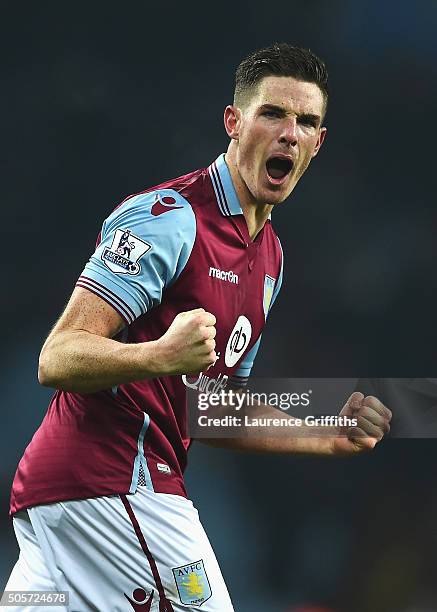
x,y
99,502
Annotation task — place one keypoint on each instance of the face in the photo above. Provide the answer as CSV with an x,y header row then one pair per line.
x,y
275,136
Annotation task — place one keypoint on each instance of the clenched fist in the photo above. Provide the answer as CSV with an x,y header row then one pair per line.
x,y
373,422
188,345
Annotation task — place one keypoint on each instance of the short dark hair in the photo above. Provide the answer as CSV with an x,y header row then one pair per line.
x,y
280,59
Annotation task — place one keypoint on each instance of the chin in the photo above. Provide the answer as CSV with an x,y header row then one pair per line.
x,y
274,197
275,194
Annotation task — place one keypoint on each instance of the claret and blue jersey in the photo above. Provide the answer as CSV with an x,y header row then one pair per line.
x,y
178,246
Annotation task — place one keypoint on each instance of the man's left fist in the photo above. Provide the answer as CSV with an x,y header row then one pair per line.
x,y
373,422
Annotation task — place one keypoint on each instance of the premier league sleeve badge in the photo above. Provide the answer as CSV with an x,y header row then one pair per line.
x,y
125,251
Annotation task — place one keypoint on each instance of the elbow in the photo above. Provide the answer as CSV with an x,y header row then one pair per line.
x,y
54,365
43,372
46,371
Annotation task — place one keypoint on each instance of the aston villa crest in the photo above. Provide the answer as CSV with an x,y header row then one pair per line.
x,y
192,583
269,285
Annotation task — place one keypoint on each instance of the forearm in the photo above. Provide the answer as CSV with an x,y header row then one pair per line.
x,y
360,425
273,444
278,433
80,355
83,362
295,445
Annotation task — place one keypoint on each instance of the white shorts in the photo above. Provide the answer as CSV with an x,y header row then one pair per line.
x,y
146,552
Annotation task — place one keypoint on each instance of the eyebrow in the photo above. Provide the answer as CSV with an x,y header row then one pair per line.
x,y
282,112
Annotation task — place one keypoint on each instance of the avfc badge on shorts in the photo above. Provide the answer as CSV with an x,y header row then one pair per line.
x,y
125,251
269,285
192,583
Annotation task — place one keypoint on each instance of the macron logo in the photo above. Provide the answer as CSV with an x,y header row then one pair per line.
x,y
222,275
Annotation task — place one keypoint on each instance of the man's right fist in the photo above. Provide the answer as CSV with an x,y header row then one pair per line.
x,y
187,347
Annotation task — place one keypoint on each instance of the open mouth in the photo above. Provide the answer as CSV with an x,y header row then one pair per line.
x,y
278,168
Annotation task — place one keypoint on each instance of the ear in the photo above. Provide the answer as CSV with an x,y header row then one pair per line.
x,y
320,140
232,121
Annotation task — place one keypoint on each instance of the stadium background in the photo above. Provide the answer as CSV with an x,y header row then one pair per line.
x,y
100,100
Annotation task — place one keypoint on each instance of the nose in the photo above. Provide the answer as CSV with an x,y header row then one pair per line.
x,y
289,132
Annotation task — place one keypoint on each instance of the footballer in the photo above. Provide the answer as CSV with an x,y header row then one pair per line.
x,y
181,283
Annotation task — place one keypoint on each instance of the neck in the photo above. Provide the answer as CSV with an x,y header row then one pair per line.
x,y
255,213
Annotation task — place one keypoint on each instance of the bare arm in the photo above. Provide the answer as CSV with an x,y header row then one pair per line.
x,y
373,422
80,354
274,445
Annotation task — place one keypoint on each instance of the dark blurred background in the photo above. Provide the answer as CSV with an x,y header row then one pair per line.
x,y
100,100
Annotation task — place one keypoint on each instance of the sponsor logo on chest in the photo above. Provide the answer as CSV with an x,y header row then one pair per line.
x,y
238,341
223,275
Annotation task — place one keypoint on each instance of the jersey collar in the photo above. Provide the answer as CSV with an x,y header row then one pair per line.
x,y
224,189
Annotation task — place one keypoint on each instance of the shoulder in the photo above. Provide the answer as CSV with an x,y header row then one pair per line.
x,y
158,210
154,202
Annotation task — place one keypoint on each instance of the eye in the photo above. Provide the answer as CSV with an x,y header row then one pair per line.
x,y
308,122
271,113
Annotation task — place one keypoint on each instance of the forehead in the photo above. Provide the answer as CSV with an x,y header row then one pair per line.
x,y
290,94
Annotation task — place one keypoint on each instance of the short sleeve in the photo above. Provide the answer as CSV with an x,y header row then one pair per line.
x,y
145,244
